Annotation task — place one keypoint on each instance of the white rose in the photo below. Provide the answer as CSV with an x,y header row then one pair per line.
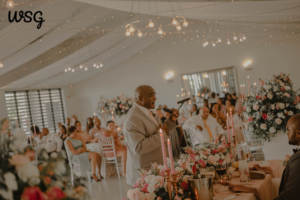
x,y
197,158
281,106
10,181
263,126
290,113
255,107
60,168
287,105
275,88
6,194
270,96
211,160
248,109
222,157
278,121
298,106
217,157
273,107
53,155
251,128
149,196
28,172
272,130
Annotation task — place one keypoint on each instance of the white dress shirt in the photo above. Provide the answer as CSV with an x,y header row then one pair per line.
x,y
146,111
197,136
52,142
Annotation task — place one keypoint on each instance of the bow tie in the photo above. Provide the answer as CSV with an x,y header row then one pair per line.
x,y
295,150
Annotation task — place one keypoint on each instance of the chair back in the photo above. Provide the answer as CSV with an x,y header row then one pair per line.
x,y
68,153
107,145
244,133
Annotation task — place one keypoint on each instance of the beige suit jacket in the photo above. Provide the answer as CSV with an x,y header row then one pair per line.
x,y
143,142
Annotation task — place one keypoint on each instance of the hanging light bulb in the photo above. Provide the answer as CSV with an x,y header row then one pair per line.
x,y
151,24
131,29
73,70
101,65
241,39
228,42
66,70
69,68
97,66
1,64
219,40
160,32
178,28
10,4
140,34
80,66
128,33
204,44
235,38
244,38
185,23
94,65
174,22
213,44
86,69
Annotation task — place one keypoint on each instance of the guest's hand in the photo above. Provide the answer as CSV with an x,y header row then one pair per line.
x,y
165,128
174,115
199,128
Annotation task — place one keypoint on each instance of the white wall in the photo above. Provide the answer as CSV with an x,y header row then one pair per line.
x,y
3,111
183,57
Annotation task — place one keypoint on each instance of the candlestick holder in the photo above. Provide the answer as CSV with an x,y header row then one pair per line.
x,y
174,183
167,177
233,139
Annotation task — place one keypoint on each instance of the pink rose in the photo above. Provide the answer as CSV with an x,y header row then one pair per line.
x,y
184,185
30,154
250,119
265,116
262,82
144,188
255,107
244,108
211,160
286,94
257,97
202,163
18,160
35,193
55,193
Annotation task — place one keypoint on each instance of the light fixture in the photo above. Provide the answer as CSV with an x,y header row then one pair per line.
x,y
235,38
80,66
213,44
10,4
101,65
205,75
128,33
204,44
174,22
185,23
1,64
69,68
160,32
94,65
241,39
140,34
219,40
244,38
228,42
178,28
131,29
169,76
223,73
86,69
247,65
73,70
151,24
66,70
185,77
97,66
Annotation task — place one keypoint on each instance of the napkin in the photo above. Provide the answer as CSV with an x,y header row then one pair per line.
x,y
241,188
257,174
257,167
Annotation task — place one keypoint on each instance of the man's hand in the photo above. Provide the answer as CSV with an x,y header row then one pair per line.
x,y
199,128
165,128
174,115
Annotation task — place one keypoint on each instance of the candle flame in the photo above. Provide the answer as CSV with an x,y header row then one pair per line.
x,y
227,115
168,141
160,131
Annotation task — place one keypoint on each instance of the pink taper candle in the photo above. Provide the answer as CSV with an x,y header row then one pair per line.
x,y
171,157
232,125
248,85
228,131
163,147
242,92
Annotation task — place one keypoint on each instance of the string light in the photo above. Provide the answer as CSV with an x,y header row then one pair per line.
x,y
235,38
73,70
178,28
213,44
86,69
94,65
151,24
219,40
185,23
228,42
128,33
244,38
131,29
140,34
66,70
69,68
174,22
1,64
80,67
160,32
101,65
10,4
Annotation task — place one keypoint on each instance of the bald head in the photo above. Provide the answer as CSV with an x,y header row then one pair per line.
x,y
204,112
45,131
144,95
293,130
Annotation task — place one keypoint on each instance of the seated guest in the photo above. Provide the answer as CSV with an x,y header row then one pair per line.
x,y
194,111
38,139
289,186
64,135
53,143
96,129
217,114
68,124
229,107
205,101
84,134
203,127
79,153
222,107
89,124
213,98
121,151
59,125
73,120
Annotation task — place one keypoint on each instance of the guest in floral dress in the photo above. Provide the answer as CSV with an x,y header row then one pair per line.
x,y
121,151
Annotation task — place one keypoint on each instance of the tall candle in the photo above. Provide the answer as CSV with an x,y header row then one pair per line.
x,y
242,91
171,157
163,148
232,125
248,85
228,131
177,97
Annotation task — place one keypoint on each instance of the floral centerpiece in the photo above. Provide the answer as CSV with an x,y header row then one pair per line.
x,y
118,106
21,178
270,107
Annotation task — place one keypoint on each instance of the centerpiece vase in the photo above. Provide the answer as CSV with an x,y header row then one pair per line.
x,y
201,189
278,147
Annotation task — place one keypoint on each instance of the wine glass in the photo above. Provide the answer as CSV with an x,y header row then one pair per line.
x,y
210,172
221,169
247,153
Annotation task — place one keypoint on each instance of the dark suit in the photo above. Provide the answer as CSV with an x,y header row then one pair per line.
x,y
290,181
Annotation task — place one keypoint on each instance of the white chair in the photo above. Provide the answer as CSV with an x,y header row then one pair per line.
x,y
75,166
255,145
108,146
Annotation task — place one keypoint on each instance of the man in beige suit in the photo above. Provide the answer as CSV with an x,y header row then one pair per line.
x,y
141,130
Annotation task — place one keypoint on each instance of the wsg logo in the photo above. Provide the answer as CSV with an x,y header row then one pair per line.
x,y
27,17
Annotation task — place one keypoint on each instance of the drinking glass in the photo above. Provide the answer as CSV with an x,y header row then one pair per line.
x,y
221,169
247,153
210,172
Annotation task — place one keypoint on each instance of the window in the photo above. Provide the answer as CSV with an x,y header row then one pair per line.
x,y
43,108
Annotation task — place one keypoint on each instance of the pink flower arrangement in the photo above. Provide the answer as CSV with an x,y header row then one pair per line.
x,y
31,193
202,163
144,188
262,82
55,193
